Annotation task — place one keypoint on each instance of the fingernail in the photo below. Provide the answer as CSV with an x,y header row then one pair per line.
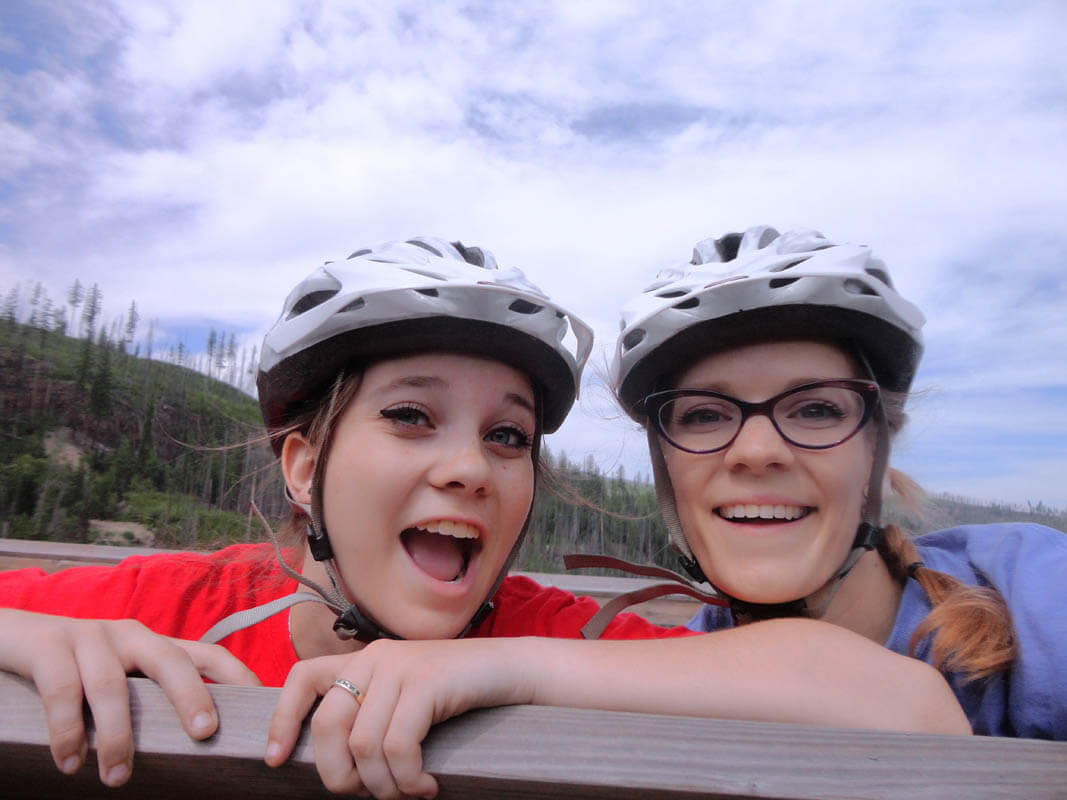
x,y
117,775
203,723
274,752
70,765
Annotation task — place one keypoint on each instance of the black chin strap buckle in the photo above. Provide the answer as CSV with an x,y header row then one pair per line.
x,y
868,536
319,544
692,566
354,624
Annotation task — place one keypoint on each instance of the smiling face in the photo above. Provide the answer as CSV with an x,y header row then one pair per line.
x,y
428,482
769,522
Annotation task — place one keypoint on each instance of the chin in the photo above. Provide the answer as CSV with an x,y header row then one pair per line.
x,y
432,623
757,589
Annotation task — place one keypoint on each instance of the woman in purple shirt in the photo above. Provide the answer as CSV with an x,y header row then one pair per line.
x,y
771,372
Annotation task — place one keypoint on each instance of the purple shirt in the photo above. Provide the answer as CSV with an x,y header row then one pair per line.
x,y
1027,564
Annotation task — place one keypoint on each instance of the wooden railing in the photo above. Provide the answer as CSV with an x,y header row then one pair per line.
x,y
532,751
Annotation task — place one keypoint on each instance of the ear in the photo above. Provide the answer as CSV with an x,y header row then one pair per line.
x,y
298,466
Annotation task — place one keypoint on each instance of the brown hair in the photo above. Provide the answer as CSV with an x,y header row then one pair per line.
x,y
316,423
970,627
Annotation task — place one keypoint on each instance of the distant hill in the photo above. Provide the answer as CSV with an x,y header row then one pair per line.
x,y
92,432
92,436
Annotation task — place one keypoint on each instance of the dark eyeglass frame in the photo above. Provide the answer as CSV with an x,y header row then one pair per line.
x,y
653,404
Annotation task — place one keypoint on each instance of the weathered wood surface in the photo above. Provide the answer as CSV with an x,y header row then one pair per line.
x,y
53,556
529,751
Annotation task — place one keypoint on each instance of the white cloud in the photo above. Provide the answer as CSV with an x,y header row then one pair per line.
x,y
198,156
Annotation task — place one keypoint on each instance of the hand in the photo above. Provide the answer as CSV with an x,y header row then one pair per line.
x,y
407,686
71,658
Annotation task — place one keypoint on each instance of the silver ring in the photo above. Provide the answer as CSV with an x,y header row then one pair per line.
x,y
351,688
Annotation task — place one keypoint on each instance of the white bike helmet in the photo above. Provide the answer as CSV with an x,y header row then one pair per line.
x,y
422,294
395,299
762,285
759,286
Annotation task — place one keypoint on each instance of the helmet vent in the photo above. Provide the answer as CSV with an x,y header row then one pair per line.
x,y
521,306
858,287
355,305
362,252
668,295
692,302
880,275
472,255
789,265
425,246
778,283
633,338
310,300
427,292
729,245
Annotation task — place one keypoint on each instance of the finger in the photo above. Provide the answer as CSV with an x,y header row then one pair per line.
x,y
330,727
307,680
103,679
365,742
218,664
170,666
59,685
402,745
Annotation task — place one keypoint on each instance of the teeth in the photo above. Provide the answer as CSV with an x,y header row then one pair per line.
x,y
450,527
752,511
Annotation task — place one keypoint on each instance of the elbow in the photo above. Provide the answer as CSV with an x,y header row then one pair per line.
x,y
939,711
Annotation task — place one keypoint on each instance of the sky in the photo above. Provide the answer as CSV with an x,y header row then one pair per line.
x,y
200,157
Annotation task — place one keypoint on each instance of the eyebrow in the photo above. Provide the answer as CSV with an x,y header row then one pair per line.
x,y
436,382
418,382
723,388
520,401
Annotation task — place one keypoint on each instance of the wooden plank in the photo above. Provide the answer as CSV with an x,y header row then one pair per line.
x,y
529,751
70,553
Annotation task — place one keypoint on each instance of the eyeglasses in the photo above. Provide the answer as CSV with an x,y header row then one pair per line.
x,y
815,416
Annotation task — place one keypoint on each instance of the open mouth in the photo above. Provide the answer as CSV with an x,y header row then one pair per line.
x,y
752,513
442,548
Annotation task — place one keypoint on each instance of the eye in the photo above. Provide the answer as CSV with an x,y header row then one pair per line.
x,y
705,415
816,412
820,411
509,436
406,415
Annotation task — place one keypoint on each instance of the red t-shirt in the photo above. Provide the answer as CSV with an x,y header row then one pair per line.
x,y
183,595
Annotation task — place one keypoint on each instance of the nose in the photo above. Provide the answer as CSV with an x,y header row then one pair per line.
x,y
758,447
462,465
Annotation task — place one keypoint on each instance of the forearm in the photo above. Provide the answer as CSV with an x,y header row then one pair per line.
x,y
782,670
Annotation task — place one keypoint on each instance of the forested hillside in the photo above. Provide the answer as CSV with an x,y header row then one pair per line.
x,y
90,431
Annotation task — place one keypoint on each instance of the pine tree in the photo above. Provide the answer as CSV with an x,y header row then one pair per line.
x,y
100,390
75,295
132,318
11,307
35,301
212,338
91,312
